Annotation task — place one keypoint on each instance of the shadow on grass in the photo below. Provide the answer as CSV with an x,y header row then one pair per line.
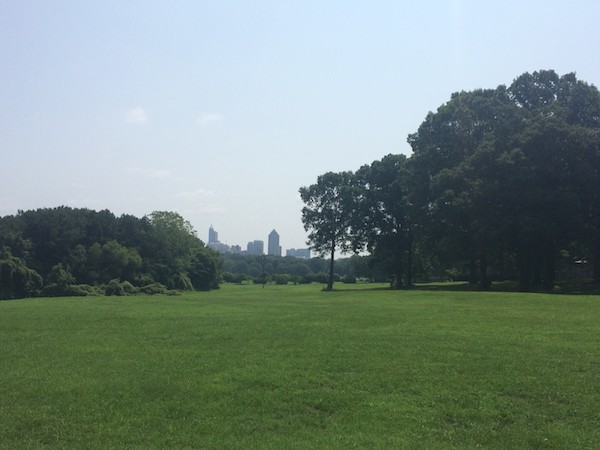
x,y
561,288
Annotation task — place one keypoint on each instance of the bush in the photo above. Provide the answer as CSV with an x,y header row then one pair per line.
x,y
320,277
154,288
114,288
349,279
306,279
282,278
143,279
71,290
82,290
182,282
128,288
238,278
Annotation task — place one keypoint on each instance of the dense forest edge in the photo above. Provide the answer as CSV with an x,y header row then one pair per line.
x,y
64,251
503,183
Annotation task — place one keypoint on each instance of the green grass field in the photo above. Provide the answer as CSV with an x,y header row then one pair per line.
x,y
295,367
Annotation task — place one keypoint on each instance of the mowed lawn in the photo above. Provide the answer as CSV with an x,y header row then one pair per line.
x,y
295,367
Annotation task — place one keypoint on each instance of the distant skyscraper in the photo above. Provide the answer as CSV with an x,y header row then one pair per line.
x,y
274,248
256,248
213,236
303,253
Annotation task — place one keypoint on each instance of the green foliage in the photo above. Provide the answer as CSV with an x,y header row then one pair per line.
x,y
114,288
282,278
499,182
128,288
328,215
349,279
82,290
60,276
112,260
16,279
67,247
205,269
154,289
182,282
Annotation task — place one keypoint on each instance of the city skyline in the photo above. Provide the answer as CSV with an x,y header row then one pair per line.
x,y
256,246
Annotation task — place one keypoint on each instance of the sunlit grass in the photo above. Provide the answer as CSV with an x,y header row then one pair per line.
x,y
295,367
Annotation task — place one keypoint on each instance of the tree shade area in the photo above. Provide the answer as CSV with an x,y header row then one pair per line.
x,y
66,251
502,184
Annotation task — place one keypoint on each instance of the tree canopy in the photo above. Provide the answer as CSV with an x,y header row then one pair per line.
x,y
67,251
328,215
505,180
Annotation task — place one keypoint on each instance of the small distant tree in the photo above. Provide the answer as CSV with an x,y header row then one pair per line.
x,y
327,215
204,271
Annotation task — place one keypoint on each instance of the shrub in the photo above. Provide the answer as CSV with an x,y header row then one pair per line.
x,y
154,288
238,278
320,277
306,279
114,288
128,288
282,278
349,279
143,279
82,290
182,282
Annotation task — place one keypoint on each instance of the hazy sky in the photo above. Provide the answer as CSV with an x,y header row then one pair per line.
x,y
221,110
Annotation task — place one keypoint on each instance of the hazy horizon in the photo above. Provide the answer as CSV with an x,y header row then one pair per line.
x,y
221,111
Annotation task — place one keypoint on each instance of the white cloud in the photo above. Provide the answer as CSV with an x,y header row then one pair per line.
x,y
198,194
149,173
137,116
208,118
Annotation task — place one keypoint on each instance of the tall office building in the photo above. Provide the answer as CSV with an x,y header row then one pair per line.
x,y
213,236
274,248
256,248
303,253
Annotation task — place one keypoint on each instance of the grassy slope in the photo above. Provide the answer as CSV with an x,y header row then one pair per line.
x,y
296,367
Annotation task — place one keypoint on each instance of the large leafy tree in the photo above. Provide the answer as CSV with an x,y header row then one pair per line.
x,y
177,250
327,215
454,174
383,220
512,170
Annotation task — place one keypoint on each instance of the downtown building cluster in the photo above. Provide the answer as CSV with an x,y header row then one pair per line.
x,y
256,247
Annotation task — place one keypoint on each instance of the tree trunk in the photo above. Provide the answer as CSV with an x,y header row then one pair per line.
x,y
398,267
398,279
330,278
549,271
524,262
409,262
597,262
484,281
472,271
536,269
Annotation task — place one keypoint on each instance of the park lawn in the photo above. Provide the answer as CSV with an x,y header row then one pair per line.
x,y
295,367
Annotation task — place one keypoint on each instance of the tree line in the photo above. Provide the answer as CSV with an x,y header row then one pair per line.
x,y
67,251
503,183
242,268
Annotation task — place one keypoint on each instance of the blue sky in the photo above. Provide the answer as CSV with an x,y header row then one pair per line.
x,y
221,110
